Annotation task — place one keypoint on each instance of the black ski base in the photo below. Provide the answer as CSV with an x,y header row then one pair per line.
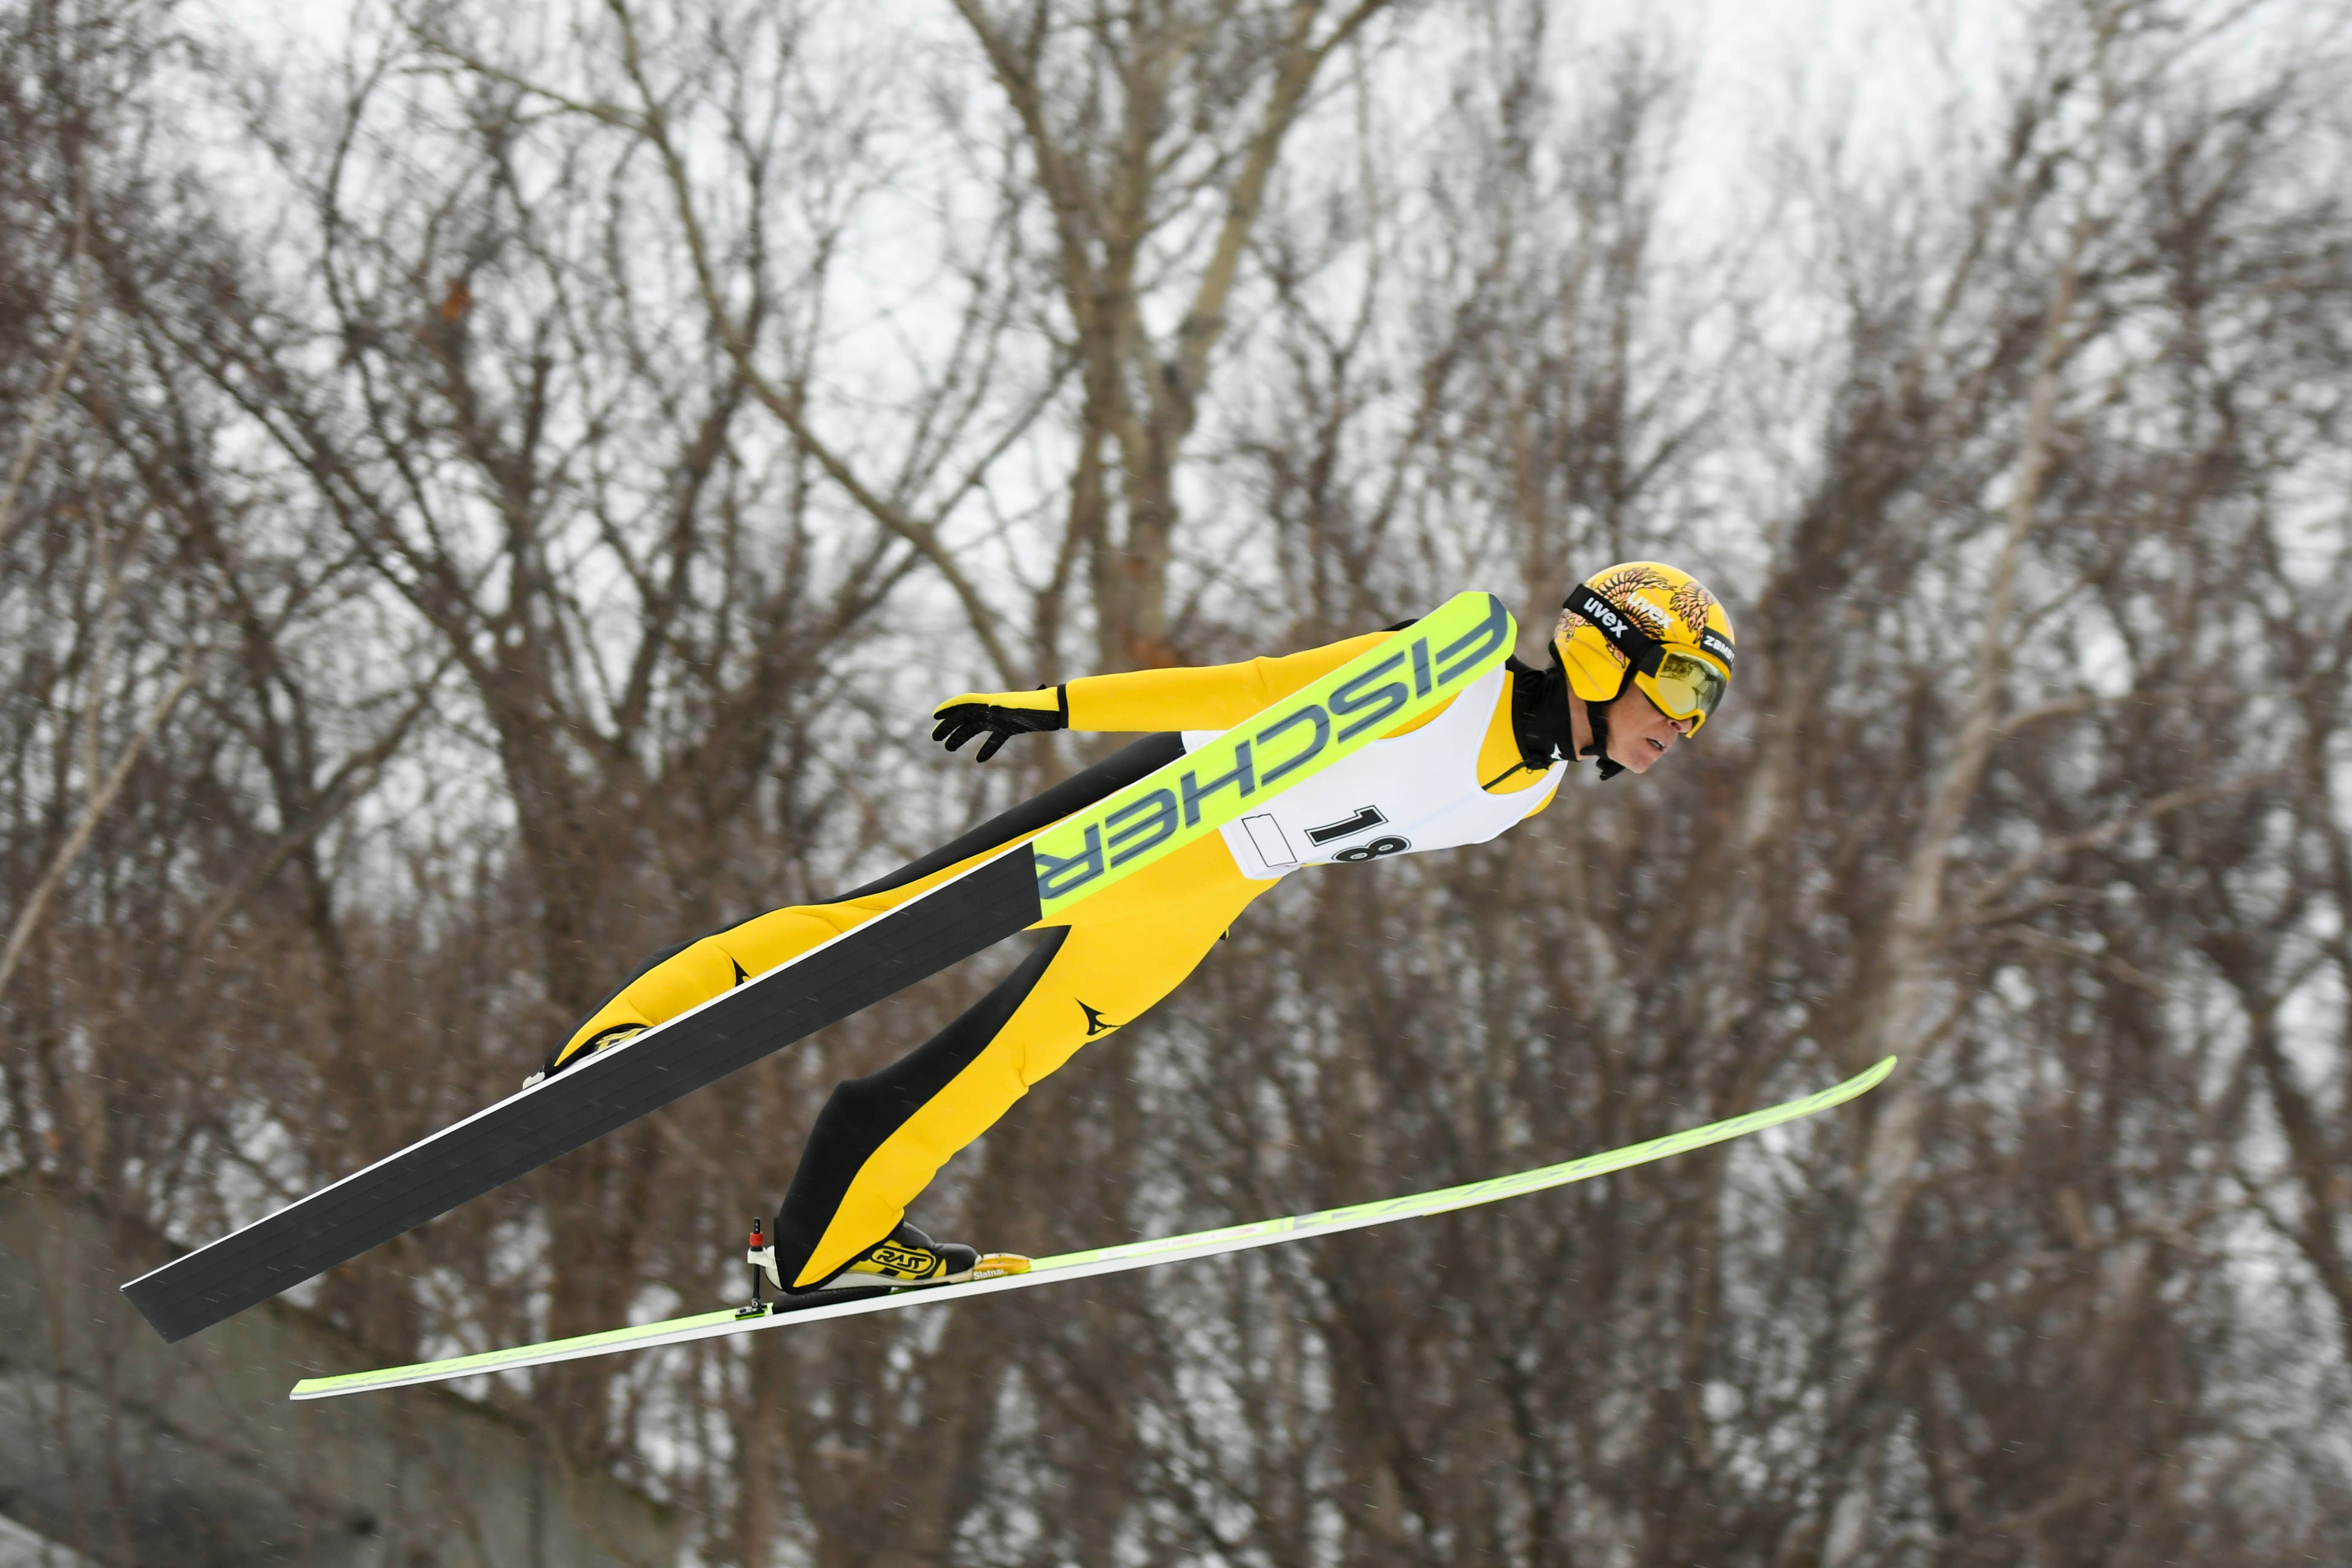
x,y
615,1088
582,1104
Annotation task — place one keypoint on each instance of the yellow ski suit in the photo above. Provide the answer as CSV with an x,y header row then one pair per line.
x,y
880,1139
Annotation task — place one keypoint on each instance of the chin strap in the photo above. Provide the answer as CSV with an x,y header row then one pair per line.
x,y
1596,714
1541,720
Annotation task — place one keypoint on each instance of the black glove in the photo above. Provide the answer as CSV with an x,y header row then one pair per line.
x,y
999,715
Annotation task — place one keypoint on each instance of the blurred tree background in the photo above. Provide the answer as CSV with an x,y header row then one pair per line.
x,y
490,491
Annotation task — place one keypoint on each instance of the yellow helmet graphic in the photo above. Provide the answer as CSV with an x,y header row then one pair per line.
x,y
1655,624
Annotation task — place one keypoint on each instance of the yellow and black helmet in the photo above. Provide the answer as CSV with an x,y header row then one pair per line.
x,y
1656,625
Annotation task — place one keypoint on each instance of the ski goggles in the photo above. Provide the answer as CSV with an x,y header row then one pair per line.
x,y
1685,683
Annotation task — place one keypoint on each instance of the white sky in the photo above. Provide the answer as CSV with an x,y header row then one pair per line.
x,y
1756,58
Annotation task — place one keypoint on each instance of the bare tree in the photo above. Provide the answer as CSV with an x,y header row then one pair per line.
x,y
558,472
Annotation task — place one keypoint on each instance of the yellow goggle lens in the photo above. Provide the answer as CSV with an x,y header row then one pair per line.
x,y
1688,686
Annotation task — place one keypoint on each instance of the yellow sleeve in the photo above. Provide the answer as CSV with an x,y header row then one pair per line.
x,y
1208,696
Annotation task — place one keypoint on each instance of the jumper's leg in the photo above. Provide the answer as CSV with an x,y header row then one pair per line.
x,y
880,1139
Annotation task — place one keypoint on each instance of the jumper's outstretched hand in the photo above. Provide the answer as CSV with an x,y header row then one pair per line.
x,y
998,715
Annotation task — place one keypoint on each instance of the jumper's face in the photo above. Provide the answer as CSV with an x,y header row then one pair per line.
x,y
1639,734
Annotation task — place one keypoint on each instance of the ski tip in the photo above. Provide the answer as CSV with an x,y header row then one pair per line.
x,y
1860,1084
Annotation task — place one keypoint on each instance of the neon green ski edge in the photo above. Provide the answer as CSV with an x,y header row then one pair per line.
x,y
1110,1260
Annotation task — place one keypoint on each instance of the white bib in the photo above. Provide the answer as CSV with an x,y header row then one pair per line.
x,y
1397,796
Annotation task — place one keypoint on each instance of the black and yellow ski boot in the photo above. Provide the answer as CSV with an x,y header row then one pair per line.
x,y
908,1257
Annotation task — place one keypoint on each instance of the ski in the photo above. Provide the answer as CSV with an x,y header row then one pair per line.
x,y
1101,1260
1090,832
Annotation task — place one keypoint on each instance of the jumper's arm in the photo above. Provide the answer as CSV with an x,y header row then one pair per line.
x,y
1209,697
1204,696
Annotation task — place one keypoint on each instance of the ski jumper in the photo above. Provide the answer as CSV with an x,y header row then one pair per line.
x,y
1460,775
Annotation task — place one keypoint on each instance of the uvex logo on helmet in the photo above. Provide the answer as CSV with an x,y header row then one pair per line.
x,y
1593,607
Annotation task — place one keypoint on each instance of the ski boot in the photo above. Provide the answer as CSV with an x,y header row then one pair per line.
x,y
908,1257
904,1257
